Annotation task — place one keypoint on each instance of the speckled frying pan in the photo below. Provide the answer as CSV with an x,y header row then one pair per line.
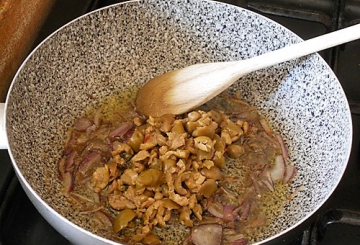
x,y
125,45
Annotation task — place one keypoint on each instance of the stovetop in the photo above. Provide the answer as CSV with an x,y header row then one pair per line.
x,y
337,222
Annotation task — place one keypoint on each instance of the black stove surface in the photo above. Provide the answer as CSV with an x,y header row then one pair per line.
x,y
337,222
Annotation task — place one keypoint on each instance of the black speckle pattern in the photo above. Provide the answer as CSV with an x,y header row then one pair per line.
x,y
127,44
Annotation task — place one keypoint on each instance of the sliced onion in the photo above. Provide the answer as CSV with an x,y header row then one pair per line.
x,y
270,140
121,130
103,218
82,124
97,117
255,183
277,171
216,209
209,234
68,182
187,240
241,241
96,197
61,167
245,209
259,221
89,160
283,147
70,161
228,213
97,144
101,133
210,220
289,174
128,134
265,125
267,180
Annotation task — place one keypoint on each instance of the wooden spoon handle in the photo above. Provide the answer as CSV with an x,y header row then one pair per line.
x,y
181,90
298,50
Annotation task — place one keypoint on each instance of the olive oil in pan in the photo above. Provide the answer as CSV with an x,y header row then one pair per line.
x,y
117,106
268,206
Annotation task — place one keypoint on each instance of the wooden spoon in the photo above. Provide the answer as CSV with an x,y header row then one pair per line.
x,y
181,90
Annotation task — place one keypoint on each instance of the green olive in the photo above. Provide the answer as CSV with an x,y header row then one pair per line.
x,y
191,126
166,122
219,143
156,164
203,155
148,193
122,219
170,204
168,163
212,173
208,130
219,159
233,129
136,139
208,188
178,127
165,190
235,151
142,198
204,143
185,217
216,116
178,183
194,116
151,239
129,176
149,177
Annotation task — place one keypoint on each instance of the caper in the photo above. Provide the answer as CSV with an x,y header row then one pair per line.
x,y
129,176
235,151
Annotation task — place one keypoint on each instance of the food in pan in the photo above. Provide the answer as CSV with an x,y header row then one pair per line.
x,y
209,176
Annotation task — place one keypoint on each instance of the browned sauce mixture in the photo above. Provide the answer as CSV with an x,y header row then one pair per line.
x,y
209,173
